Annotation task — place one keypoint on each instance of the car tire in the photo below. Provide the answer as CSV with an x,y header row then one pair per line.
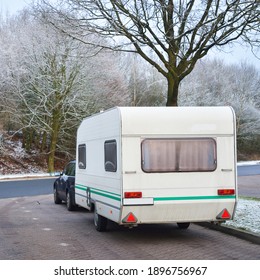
x,y
57,200
100,222
183,225
69,202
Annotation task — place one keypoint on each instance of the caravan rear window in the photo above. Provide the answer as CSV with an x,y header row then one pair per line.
x,y
179,155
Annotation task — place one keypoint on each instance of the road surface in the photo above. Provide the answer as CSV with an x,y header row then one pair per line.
x,y
247,170
25,187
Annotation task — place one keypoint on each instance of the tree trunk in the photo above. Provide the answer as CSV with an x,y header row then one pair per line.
x,y
44,141
54,140
28,135
173,90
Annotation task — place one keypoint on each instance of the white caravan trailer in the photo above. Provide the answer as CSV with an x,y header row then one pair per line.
x,y
139,165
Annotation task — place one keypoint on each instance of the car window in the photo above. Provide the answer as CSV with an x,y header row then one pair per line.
x,y
70,169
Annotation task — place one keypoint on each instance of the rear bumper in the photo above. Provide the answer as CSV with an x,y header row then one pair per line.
x,y
180,211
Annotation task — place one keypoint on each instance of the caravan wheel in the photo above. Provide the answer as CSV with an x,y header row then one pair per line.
x,y
183,225
100,222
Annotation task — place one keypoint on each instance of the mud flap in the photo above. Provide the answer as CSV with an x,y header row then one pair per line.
x,y
88,192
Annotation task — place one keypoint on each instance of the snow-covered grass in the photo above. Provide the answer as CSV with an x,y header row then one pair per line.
x,y
15,160
247,216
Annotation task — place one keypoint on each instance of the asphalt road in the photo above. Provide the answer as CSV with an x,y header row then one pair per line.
x,y
249,186
25,187
246,170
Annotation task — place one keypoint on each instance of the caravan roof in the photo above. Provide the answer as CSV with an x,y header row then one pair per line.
x,y
164,121
177,120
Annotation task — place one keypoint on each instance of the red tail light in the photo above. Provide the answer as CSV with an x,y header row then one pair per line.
x,y
133,194
226,192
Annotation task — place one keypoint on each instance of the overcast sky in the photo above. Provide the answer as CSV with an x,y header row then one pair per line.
x,y
236,54
12,6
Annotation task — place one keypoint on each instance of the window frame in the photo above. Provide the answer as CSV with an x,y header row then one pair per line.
x,y
110,162
80,159
196,170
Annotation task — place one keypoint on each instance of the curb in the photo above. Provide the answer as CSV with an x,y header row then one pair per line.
x,y
11,177
248,163
251,237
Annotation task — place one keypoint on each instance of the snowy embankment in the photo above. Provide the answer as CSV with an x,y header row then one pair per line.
x,y
247,216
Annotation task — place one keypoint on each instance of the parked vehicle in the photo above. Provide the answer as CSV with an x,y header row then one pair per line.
x,y
64,186
139,165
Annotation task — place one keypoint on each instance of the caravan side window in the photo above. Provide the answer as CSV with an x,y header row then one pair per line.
x,y
179,155
110,156
82,156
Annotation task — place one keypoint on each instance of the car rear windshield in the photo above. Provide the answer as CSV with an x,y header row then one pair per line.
x,y
179,155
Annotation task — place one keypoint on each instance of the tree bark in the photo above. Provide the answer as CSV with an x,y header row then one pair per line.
x,y
28,139
44,141
54,139
173,90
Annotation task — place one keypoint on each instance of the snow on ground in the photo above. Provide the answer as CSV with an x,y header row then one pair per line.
x,y
15,160
247,216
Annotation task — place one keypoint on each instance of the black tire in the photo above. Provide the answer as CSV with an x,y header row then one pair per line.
x,y
100,222
183,225
70,202
57,200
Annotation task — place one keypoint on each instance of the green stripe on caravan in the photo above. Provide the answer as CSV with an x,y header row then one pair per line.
x,y
194,197
176,198
100,192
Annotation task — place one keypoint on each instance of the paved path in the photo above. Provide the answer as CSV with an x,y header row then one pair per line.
x,y
36,228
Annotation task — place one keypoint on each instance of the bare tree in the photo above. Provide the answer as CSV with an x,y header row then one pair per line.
x,y
50,82
42,85
171,35
213,83
146,86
